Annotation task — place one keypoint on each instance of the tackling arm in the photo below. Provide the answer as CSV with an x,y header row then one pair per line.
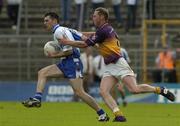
x,y
80,44
88,34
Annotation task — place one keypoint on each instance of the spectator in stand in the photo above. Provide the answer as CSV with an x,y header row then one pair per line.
x,y
125,55
151,9
87,61
81,13
98,68
176,38
13,10
165,63
97,3
131,14
1,5
117,11
65,12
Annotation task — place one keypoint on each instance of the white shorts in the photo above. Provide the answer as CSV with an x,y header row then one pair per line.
x,y
119,69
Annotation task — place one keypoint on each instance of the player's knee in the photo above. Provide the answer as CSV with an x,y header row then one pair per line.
x,y
103,93
134,91
79,93
41,73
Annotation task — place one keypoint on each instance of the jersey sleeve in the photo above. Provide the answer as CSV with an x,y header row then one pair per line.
x,y
76,35
97,38
58,35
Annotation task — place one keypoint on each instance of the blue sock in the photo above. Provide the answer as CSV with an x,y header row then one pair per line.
x,y
100,112
38,96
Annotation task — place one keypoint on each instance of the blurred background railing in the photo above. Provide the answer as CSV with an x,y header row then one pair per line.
x,y
21,54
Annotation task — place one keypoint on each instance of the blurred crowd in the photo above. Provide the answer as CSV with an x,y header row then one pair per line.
x,y
12,7
83,6
163,73
127,22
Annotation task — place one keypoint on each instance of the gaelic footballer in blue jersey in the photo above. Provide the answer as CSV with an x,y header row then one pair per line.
x,y
69,65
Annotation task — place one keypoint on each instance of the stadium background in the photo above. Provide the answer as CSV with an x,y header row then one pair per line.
x,y
21,52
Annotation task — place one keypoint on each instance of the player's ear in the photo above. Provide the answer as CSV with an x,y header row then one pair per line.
x,y
102,17
54,21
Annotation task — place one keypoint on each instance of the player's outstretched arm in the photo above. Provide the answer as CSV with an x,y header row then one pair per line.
x,y
88,34
84,38
80,44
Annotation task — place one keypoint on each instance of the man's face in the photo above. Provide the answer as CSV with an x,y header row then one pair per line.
x,y
96,19
48,22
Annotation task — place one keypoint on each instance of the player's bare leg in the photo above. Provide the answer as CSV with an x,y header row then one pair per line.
x,y
130,83
121,91
113,94
53,71
43,74
105,87
77,85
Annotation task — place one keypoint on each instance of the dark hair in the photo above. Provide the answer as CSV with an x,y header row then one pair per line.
x,y
103,11
52,15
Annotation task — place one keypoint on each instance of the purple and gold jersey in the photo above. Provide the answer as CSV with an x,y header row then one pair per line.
x,y
109,45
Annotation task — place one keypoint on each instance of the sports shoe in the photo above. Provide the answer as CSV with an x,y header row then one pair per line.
x,y
119,119
32,102
166,93
103,118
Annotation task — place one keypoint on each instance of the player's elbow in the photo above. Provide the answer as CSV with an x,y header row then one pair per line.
x,y
68,52
85,45
81,45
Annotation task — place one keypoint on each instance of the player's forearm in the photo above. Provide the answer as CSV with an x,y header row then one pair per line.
x,y
88,34
79,44
60,54
84,38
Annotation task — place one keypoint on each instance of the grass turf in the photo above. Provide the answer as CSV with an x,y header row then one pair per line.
x,y
79,114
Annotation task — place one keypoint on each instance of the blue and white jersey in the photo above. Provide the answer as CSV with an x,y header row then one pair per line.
x,y
71,65
67,33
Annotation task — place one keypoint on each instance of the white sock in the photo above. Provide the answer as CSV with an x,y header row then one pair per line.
x,y
115,109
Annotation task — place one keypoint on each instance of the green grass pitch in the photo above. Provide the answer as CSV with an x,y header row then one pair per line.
x,y
79,114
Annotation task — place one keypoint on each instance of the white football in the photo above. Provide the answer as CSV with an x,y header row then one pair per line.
x,y
50,48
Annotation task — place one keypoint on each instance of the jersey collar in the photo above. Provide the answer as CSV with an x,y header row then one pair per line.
x,y
55,27
103,25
